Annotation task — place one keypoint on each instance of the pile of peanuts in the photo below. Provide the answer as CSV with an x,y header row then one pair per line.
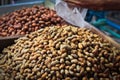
x,y
60,53
26,20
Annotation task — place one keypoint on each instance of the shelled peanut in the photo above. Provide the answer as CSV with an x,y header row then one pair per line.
x,y
26,20
60,53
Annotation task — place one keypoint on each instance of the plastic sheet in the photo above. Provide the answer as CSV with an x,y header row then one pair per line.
x,y
74,16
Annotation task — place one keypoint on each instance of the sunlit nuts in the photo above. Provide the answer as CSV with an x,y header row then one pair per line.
x,y
62,71
62,66
67,78
80,45
81,71
61,60
66,72
49,54
54,62
2,61
74,54
3,34
67,47
109,65
54,68
74,61
78,68
68,62
84,78
71,72
91,79
88,69
27,70
117,58
72,66
64,55
17,26
44,75
88,63
70,57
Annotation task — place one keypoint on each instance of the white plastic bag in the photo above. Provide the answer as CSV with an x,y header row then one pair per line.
x,y
75,16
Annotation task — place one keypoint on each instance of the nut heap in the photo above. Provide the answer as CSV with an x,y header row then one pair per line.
x,y
60,53
27,20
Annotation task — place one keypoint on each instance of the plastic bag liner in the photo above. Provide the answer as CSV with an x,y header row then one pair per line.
x,y
74,17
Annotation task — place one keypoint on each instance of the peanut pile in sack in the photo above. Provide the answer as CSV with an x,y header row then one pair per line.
x,y
61,53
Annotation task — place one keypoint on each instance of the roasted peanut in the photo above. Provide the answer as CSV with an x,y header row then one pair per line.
x,y
38,56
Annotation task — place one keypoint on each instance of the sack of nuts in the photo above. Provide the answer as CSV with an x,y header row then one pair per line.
x,y
60,53
26,20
